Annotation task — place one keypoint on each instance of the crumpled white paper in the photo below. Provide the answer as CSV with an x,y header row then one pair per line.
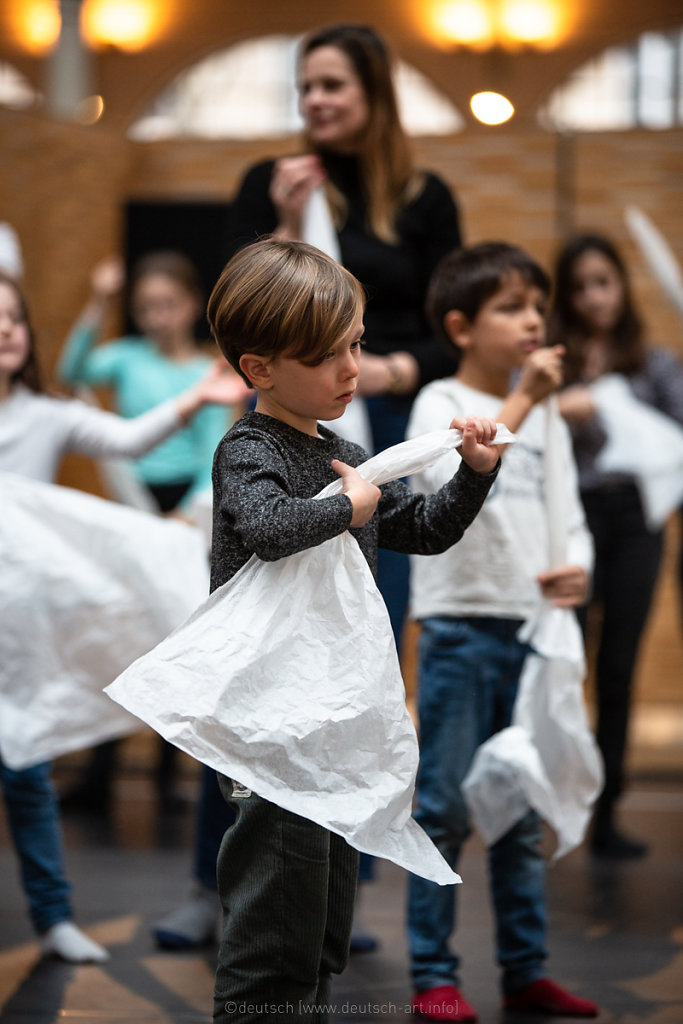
x,y
86,586
547,758
642,442
287,680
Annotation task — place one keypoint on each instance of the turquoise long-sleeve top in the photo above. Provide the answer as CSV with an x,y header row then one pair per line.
x,y
141,377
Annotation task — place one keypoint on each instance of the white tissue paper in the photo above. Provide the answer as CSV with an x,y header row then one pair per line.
x,y
318,229
86,587
287,680
547,759
642,442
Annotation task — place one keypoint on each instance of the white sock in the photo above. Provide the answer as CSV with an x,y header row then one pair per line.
x,y
68,942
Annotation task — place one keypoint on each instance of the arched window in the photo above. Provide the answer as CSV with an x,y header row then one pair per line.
x,y
637,86
248,91
15,90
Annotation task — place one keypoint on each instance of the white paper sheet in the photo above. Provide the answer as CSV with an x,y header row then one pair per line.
x,y
86,586
547,758
642,442
287,680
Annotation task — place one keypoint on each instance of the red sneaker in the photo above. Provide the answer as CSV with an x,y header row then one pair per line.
x,y
445,1002
544,996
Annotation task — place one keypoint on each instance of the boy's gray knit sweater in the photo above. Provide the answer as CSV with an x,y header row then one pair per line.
x,y
265,474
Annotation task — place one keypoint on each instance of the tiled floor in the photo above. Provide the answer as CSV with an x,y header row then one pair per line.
x,y
616,930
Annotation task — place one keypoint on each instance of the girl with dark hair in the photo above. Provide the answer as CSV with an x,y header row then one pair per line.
x,y
595,318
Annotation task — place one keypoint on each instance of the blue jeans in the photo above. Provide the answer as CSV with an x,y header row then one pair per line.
x,y
33,815
469,672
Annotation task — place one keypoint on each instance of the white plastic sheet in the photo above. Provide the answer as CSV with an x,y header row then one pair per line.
x,y
287,680
547,759
86,586
317,229
642,442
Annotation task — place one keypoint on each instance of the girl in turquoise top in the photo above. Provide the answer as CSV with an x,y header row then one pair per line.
x,y
145,370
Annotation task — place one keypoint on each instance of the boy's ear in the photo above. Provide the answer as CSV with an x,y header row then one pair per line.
x,y
457,327
257,369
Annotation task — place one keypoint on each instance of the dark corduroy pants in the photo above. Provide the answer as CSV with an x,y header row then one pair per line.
x,y
287,887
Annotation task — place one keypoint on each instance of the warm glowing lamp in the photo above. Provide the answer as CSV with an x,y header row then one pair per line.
x,y
534,22
37,24
89,110
466,22
126,24
491,108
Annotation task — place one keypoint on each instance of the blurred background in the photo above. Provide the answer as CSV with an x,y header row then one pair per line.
x,y
125,125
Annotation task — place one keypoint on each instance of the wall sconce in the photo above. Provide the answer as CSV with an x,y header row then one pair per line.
x,y
491,108
36,24
489,24
128,25
496,29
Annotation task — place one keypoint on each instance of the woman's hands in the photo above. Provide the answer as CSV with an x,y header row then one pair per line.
x,y
477,448
397,374
364,496
293,180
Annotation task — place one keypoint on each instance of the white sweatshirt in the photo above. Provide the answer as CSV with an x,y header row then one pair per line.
x,y
492,571
36,431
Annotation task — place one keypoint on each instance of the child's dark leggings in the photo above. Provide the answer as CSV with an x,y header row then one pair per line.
x,y
287,887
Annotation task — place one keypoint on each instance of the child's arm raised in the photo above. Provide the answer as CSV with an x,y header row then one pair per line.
x,y
541,375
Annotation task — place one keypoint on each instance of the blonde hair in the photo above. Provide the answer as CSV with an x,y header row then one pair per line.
x,y
387,167
282,298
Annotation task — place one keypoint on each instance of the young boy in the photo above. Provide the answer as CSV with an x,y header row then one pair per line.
x,y
489,303
289,319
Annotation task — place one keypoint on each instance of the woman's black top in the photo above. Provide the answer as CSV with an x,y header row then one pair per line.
x,y
395,277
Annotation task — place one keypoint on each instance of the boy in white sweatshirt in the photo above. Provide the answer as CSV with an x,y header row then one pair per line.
x,y
488,302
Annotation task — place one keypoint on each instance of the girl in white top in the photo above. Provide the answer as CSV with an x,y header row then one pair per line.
x,y
36,430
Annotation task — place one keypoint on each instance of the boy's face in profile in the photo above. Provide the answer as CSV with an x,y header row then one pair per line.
x,y
508,327
301,395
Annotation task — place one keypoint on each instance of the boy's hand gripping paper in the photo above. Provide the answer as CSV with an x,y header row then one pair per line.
x,y
287,680
86,587
547,759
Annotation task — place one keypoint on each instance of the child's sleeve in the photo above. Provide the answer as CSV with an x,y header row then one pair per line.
x,y
101,434
433,410
256,500
83,363
427,524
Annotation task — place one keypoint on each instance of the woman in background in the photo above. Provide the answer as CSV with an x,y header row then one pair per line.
x,y
393,224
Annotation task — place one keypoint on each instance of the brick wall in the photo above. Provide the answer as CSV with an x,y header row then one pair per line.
x,y
63,187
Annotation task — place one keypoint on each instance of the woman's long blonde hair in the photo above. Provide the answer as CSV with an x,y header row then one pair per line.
x,y
387,169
